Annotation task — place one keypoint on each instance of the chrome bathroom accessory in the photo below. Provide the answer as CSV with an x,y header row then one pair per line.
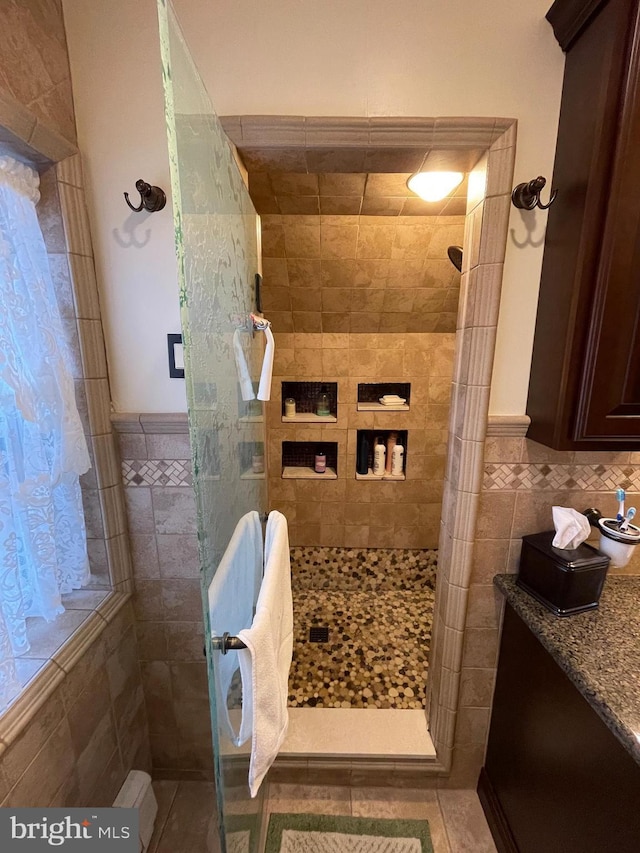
x,y
526,196
151,198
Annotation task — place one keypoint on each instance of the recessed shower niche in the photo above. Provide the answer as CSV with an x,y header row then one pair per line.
x,y
300,460
309,402
384,396
366,465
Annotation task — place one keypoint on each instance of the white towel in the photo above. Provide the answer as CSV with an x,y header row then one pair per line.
x,y
266,661
264,389
233,593
242,369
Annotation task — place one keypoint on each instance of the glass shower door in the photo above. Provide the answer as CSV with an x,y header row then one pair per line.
x,y
217,241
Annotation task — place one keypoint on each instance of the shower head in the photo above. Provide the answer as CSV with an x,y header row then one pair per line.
x,y
455,256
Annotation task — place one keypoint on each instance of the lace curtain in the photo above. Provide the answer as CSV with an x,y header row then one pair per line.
x,y
43,451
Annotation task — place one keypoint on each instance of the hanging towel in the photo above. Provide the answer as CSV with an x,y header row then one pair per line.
x,y
233,593
242,369
262,325
264,389
266,661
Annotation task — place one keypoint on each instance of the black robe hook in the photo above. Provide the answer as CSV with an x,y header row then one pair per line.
x,y
151,198
527,196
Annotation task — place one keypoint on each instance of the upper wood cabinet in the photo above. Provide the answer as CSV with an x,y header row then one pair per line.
x,y
584,390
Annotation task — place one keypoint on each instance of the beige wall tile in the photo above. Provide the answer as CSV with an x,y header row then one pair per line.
x,y
178,555
31,739
99,405
485,606
490,557
185,641
144,555
76,222
98,753
85,289
50,767
495,515
174,509
147,600
181,601
94,361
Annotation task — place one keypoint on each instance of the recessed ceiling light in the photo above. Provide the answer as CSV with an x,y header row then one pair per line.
x,y
434,186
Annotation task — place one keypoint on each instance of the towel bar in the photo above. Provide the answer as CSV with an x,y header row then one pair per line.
x,y
226,643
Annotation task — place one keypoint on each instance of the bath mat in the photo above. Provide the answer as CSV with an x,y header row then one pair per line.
x,y
309,833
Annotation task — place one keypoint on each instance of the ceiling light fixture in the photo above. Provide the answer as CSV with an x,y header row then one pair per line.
x,y
434,186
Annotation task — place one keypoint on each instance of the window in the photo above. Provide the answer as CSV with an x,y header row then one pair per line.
x,y
43,450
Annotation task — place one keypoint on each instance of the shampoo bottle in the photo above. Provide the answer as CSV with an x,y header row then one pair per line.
x,y
379,454
391,443
362,465
320,465
397,459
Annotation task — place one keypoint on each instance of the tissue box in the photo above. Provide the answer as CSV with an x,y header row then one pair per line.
x,y
565,581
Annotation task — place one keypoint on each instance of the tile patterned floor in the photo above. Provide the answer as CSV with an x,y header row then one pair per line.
x,y
378,607
186,820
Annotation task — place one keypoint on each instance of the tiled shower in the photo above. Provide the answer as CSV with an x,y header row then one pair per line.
x,y
363,300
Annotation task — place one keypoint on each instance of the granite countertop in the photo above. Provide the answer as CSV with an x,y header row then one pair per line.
x,y
599,650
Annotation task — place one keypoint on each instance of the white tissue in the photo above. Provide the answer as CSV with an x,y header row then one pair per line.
x,y
572,527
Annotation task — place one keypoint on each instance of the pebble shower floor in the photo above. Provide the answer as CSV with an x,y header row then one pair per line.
x,y
378,607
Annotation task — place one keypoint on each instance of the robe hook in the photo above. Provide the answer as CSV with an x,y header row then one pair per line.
x,y
527,196
151,198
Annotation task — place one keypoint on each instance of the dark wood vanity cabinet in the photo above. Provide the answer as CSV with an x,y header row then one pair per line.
x,y
584,390
555,780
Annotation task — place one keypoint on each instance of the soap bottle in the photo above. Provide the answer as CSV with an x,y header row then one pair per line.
x,y
323,407
397,459
320,464
257,459
362,462
379,454
391,443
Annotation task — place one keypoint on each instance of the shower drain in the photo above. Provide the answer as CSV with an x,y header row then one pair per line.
x,y
319,634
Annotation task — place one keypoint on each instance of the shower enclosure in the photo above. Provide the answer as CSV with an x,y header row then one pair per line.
x,y
216,232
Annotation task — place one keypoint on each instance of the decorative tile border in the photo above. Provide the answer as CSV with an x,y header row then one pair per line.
x,y
156,472
540,476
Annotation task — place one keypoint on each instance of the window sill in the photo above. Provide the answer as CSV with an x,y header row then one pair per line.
x,y
55,648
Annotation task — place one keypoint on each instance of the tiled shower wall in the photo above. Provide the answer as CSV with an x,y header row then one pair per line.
x,y
156,466
363,274
362,299
356,513
522,481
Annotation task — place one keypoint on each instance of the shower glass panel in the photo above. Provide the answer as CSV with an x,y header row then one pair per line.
x,y
216,230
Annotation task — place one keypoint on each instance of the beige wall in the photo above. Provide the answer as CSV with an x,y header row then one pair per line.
x,y
349,512
161,512
361,58
360,273
363,299
121,130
